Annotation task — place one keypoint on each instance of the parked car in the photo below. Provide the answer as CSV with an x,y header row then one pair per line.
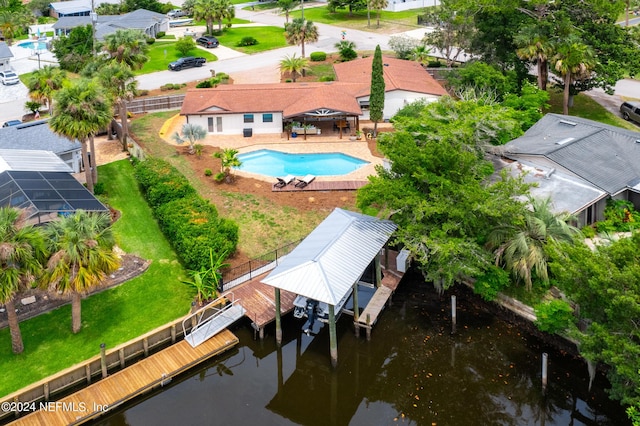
x,y
11,123
630,111
186,62
176,13
208,41
9,77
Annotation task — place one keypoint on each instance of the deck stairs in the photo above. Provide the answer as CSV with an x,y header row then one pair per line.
x,y
212,319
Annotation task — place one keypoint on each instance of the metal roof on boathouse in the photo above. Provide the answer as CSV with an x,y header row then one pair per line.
x,y
326,264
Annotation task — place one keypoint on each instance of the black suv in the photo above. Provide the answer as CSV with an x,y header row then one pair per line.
x,y
630,111
187,62
208,41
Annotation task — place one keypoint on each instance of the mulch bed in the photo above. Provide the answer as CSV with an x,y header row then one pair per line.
x,y
130,266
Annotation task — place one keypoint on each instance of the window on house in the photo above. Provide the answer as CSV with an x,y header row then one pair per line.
x,y
267,118
219,124
210,124
248,118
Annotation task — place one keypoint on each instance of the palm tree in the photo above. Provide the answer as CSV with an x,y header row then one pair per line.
x,y
21,250
521,248
119,82
191,133
294,65
574,60
127,46
214,10
228,158
286,6
13,21
82,247
346,49
299,31
82,111
421,54
534,45
378,5
43,83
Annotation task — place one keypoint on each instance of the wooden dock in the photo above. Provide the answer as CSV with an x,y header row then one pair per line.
x,y
258,300
341,185
118,388
382,296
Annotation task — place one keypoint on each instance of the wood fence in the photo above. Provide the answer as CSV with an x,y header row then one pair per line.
x,y
157,103
83,373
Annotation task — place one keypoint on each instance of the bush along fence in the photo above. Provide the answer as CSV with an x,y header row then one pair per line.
x,y
232,277
190,223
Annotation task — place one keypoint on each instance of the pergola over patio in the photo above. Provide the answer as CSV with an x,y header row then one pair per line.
x,y
330,261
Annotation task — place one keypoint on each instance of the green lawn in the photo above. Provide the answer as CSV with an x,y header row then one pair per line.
x,y
162,52
113,316
268,38
389,21
586,107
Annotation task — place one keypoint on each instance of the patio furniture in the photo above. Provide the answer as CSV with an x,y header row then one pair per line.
x,y
304,181
284,181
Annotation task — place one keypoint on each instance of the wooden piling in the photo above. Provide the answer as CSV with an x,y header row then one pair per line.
x,y
278,319
356,310
545,359
333,340
103,359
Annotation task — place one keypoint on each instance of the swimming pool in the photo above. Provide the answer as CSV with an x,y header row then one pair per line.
x,y
33,45
276,163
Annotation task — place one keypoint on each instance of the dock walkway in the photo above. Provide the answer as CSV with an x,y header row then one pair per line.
x,y
118,388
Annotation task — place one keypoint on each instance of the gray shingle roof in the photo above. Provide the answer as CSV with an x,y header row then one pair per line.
x,y
140,19
326,264
36,135
5,52
606,156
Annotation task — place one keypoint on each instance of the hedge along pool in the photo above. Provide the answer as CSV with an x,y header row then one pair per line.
x,y
275,163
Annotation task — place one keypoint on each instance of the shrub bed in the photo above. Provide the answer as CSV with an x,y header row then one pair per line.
x,y
190,223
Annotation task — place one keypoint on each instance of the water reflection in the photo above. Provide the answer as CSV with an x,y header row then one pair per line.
x,y
414,371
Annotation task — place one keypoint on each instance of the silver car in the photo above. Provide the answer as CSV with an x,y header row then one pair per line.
x,y
630,111
9,77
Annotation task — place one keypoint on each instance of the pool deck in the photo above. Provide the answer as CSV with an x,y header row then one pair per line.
x,y
313,144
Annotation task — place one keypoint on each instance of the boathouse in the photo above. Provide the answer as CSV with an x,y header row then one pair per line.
x,y
327,265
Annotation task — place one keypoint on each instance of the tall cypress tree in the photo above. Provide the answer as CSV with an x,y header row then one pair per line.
x,y
376,98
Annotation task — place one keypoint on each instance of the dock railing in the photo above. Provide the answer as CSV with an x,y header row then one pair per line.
x,y
204,317
259,265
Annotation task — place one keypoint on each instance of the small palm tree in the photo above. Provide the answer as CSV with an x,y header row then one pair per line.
x,y
82,246
119,82
300,31
378,5
521,248
207,281
294,66
214,10
228,158
534,45
347,50
421,54
127,46
22,249
286,6
44,83
191,133
573,60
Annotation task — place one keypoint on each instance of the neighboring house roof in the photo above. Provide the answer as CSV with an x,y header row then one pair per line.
x,y
5,52
29,160
326,264
36,135
77,6
140,19
398,75
605,156
292,99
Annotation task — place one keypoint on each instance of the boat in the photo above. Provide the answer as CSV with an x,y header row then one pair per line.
x,y
317,313
180,22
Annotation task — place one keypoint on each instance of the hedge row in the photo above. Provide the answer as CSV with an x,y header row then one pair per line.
x,y
190,223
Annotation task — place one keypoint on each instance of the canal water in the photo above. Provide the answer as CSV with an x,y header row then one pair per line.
x,y
414,371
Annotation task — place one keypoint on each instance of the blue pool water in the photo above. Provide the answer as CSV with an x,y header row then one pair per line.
x,y
39,45
275,163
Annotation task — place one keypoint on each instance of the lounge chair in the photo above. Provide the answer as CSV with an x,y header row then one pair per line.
x,y
284,181
304,181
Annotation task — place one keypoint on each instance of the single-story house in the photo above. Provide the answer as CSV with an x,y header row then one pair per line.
x,y
38,136
266,108
579,163
41,183
5,56
150,23
75,7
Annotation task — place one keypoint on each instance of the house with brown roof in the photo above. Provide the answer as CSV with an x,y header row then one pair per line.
x,y
267,108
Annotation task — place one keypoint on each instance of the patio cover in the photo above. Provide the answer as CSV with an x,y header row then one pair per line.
x,y
326,264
